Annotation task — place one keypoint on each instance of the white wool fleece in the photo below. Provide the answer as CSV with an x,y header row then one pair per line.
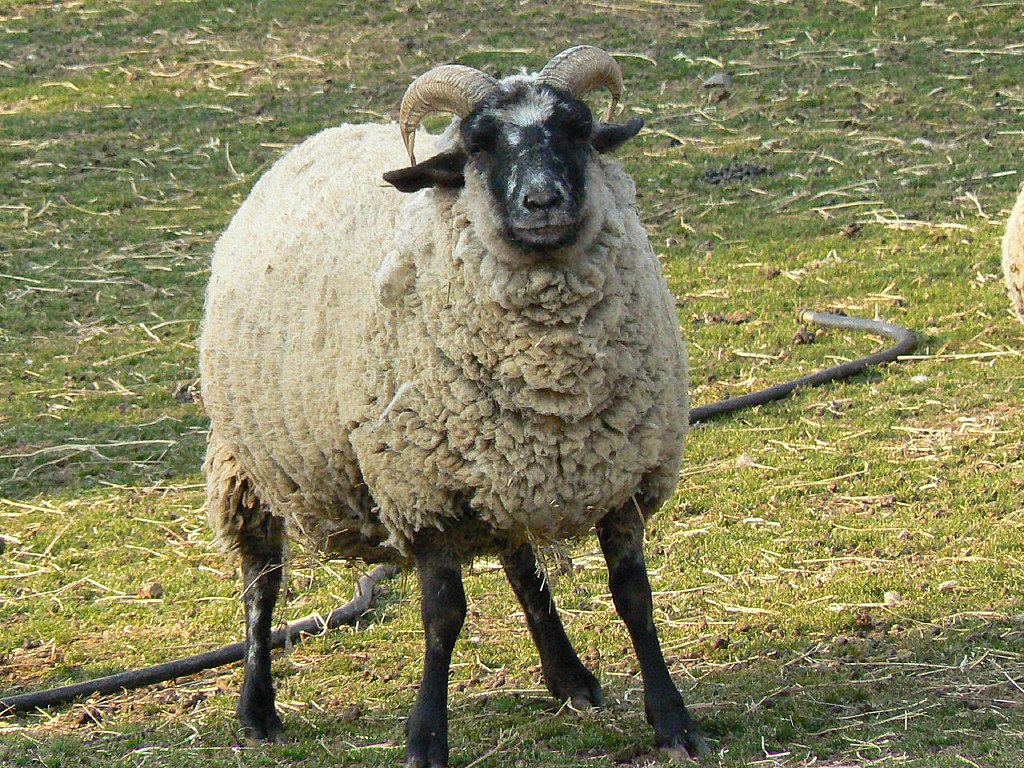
x,y
1013,256
374,362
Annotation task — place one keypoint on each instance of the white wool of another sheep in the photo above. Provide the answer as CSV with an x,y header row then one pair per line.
x,y
376,363
1013,256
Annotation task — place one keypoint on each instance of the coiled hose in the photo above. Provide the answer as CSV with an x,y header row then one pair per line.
x,y
905,341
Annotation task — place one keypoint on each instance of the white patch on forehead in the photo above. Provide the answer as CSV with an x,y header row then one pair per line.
x,y
533,109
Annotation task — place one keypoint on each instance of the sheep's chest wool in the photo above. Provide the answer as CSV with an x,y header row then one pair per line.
x,y
540,393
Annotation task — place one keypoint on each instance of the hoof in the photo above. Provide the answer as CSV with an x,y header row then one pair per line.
x,y
581,689
260,723
417,758
423,762
693,747
266,733
426,743
675,731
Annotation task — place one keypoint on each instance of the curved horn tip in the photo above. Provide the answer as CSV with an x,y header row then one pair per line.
x,y
611,109
452,88
409,139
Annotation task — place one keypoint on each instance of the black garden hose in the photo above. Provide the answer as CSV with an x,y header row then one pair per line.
x,y
905,340
351,611
228,654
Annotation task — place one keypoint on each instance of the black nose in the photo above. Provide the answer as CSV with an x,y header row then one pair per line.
x,y
541,198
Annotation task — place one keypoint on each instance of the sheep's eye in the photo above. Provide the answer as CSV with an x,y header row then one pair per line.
x,y
578,129
576,124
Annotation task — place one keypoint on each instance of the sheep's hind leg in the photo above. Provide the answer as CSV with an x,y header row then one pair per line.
x,y
443,609
261,545
564,673
621,535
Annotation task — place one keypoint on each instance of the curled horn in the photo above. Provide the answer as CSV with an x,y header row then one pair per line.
x,y
581,69
449,88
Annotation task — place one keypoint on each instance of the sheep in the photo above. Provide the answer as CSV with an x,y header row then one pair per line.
x,y
1013,256
488,362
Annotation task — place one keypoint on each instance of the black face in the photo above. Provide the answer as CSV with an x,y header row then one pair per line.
x,y
531,144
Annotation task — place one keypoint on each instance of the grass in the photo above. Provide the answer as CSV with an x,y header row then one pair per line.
x,y
839,578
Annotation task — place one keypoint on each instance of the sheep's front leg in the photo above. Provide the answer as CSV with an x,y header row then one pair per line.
x,y
621,537
564,673
261,545
443,609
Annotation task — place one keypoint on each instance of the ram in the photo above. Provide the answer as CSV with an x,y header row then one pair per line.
x,y
485,363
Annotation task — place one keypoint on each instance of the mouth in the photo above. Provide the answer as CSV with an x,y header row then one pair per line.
x,y
545,236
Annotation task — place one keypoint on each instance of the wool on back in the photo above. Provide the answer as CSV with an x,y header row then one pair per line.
x,y
290,291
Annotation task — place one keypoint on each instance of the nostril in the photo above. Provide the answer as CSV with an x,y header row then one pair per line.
x,y
541,199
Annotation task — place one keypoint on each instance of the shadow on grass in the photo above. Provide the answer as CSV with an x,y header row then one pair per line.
x,y
879,694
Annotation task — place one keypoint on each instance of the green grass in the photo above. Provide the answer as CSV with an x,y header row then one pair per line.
x,y
839,579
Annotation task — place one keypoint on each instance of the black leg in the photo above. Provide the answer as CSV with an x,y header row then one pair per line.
x,y
621,537
261,545
443,608
564,673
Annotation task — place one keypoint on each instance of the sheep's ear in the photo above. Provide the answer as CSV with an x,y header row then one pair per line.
x,y
610,136
443,170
